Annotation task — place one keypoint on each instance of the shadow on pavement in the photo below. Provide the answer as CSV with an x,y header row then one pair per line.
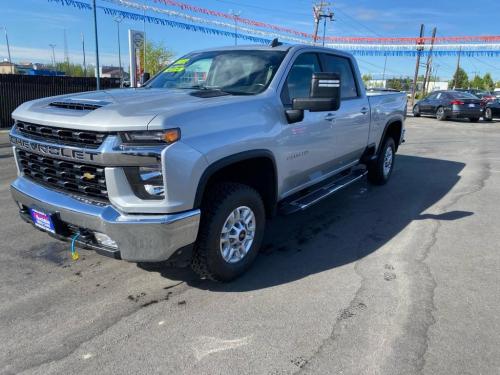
x,y
342,229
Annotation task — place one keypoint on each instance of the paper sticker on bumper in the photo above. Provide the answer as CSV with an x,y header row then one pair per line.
x,y
42,220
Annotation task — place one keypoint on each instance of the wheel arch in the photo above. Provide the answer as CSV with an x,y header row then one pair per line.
x,y
260,161
393,128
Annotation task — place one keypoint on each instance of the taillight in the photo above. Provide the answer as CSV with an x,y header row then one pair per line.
x,y
457,102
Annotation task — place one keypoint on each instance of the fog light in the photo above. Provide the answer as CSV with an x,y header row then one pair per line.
x,y
152,179
105,240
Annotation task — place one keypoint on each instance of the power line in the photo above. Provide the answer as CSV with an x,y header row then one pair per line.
x,y
487,64
359,23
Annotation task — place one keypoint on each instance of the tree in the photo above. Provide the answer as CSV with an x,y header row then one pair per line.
x,y
366,78
460,79
488,83
477,83
157,57
394,83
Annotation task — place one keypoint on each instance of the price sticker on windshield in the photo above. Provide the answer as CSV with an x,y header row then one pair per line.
x,y
177,66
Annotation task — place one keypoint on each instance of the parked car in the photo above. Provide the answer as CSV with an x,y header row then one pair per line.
x,y
484,95
449,104
195,160
492,110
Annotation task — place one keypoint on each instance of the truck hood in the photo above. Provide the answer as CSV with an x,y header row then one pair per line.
x,y
112,110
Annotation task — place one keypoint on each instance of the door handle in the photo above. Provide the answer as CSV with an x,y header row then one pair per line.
x,y
330,117
364,110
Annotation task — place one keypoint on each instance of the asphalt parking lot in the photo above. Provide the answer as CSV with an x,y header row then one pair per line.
x,y
399,279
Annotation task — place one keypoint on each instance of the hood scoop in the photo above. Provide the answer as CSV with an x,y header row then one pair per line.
x,y
78,106
209,93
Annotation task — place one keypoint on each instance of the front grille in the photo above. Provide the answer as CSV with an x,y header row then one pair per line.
x,y
80,138
82,179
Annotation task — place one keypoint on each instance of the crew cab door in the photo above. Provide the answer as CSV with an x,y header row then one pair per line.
x,y
306,147
351,122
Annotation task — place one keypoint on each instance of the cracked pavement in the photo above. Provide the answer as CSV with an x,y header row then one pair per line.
x,y
399,279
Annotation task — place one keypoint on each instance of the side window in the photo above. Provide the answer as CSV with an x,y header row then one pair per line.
x,y
342,65
432,96
439,96
298,82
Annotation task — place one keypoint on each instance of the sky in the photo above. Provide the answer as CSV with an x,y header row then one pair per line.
x,y
34,24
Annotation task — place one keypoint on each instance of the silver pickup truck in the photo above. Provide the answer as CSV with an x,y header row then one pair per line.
x,y
194,161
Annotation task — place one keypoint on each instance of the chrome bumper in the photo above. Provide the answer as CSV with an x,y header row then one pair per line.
x,y
139,237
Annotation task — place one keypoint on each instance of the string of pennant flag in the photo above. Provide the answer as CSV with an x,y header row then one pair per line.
x,y
467,46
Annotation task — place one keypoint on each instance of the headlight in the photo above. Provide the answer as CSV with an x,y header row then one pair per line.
x,y
148,138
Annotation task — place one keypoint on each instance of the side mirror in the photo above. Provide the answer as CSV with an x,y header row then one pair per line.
x,y
144,78
325,94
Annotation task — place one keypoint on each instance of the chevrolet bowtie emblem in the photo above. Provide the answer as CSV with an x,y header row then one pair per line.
x,y
88,176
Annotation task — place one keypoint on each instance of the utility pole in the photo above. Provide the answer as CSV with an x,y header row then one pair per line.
x,y
97,74
429,63
8,48
84,58
235,19
53,57
318,14
119,19
420,47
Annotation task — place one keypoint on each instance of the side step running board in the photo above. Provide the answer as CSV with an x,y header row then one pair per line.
x,y
322,192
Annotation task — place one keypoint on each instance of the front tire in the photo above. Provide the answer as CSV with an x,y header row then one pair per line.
x,y
416,111
231,231
440,115
380,170
488,114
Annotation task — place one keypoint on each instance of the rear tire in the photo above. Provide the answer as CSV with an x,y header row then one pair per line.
x,y
440,115
416,111
217,250
380,170
474,119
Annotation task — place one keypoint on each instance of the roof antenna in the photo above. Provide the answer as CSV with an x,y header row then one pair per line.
x,y
276,43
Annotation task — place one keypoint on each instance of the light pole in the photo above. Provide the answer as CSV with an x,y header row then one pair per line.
x,y
53,57
97,74
84,59
119,19
235,18
8,48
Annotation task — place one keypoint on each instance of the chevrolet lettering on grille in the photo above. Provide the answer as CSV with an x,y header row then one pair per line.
x,y
56,151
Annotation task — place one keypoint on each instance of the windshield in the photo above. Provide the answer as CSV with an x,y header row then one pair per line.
x,y
463,95
238,72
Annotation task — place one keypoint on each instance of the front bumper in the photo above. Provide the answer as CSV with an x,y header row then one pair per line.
x,y
139,237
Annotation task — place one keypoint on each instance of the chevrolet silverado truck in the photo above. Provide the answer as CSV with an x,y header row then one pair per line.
x,y
197,159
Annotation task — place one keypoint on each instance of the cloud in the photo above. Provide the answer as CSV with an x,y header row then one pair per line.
x,y
54,20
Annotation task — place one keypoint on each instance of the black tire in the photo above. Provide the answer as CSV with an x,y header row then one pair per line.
x,y
473,119
488,114
440,115
416,111
377,174
218,203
